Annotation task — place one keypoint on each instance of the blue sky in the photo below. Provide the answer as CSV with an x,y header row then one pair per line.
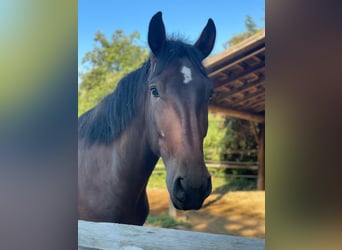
x,y
187,18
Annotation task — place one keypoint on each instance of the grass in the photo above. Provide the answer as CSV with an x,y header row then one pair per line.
x,y
157,180
166,221
236,184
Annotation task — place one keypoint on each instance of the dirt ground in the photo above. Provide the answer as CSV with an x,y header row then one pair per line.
x,y
240,213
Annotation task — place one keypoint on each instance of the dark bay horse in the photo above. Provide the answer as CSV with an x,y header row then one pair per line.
x,y
159,110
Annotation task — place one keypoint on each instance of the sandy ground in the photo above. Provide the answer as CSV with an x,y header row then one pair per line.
x,y
240,213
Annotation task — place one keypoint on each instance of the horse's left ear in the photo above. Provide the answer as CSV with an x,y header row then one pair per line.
x,y
156,34
206,41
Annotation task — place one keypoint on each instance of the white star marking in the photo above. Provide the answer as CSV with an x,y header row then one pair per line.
x,y
187,74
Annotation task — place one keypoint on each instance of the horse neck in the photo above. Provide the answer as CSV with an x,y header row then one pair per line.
x,y
134,143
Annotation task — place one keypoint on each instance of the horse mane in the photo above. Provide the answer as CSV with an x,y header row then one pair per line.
x,y
106,121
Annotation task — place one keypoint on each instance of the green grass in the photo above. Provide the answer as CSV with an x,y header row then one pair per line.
x,y
166,221
157,180
219,181
236,184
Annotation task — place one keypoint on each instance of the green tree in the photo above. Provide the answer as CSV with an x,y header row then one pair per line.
x,y
213,144
239,136
251,29
106,64
227,134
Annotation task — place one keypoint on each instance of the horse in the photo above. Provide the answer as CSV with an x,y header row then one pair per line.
x,y
158,110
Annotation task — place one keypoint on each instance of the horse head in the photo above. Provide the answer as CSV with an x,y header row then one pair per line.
x,y
177,111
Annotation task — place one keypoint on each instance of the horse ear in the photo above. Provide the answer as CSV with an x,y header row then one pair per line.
x,y
156,33
206,41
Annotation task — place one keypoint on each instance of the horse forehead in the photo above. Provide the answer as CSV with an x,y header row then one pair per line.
x,y
187,74
185,71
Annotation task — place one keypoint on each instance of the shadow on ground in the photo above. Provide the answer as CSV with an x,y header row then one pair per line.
x,y
240,213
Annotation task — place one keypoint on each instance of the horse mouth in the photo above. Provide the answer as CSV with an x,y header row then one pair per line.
x,y
185,206
187,198
188,203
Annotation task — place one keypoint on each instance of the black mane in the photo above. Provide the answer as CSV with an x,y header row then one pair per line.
x,y
106,121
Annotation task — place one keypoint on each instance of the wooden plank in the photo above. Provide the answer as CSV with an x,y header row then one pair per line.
x,y
241,176
249,97
238,77
110,236
241,163
238,164
236,50
243,88
252,167
237,114
236,62
172,209
258,104
241,151
260,107
254,131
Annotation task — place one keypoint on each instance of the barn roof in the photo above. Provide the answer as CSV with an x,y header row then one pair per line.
x,y
238,74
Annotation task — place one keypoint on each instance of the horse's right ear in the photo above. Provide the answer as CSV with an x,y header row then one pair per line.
x,y
156,34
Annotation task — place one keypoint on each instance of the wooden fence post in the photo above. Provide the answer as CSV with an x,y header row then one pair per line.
x,y
172,210
261,158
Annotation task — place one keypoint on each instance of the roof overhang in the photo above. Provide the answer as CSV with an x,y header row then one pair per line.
x,y
238,74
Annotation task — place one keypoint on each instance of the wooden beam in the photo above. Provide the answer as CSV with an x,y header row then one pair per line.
x,y
221,166
237,114
172,209
257,106
244,87
260,107
237,62
249,97
254,131
240,151
261,158
236,50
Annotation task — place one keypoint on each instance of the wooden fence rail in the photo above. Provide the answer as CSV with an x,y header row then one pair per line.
x,y
221,165
224,165
110,236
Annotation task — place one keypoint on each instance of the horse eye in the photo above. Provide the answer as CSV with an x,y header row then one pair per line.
x,y
154,91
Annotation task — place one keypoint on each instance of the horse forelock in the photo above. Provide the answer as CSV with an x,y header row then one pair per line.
x,y
176,48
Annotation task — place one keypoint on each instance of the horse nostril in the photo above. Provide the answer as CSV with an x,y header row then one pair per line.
x,y
179,189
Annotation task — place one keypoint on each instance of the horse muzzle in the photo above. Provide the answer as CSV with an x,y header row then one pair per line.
x,y
186,197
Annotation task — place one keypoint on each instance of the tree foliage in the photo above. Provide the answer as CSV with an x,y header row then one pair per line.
x,y
106,64
239,136
226,134
251,29
214,141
